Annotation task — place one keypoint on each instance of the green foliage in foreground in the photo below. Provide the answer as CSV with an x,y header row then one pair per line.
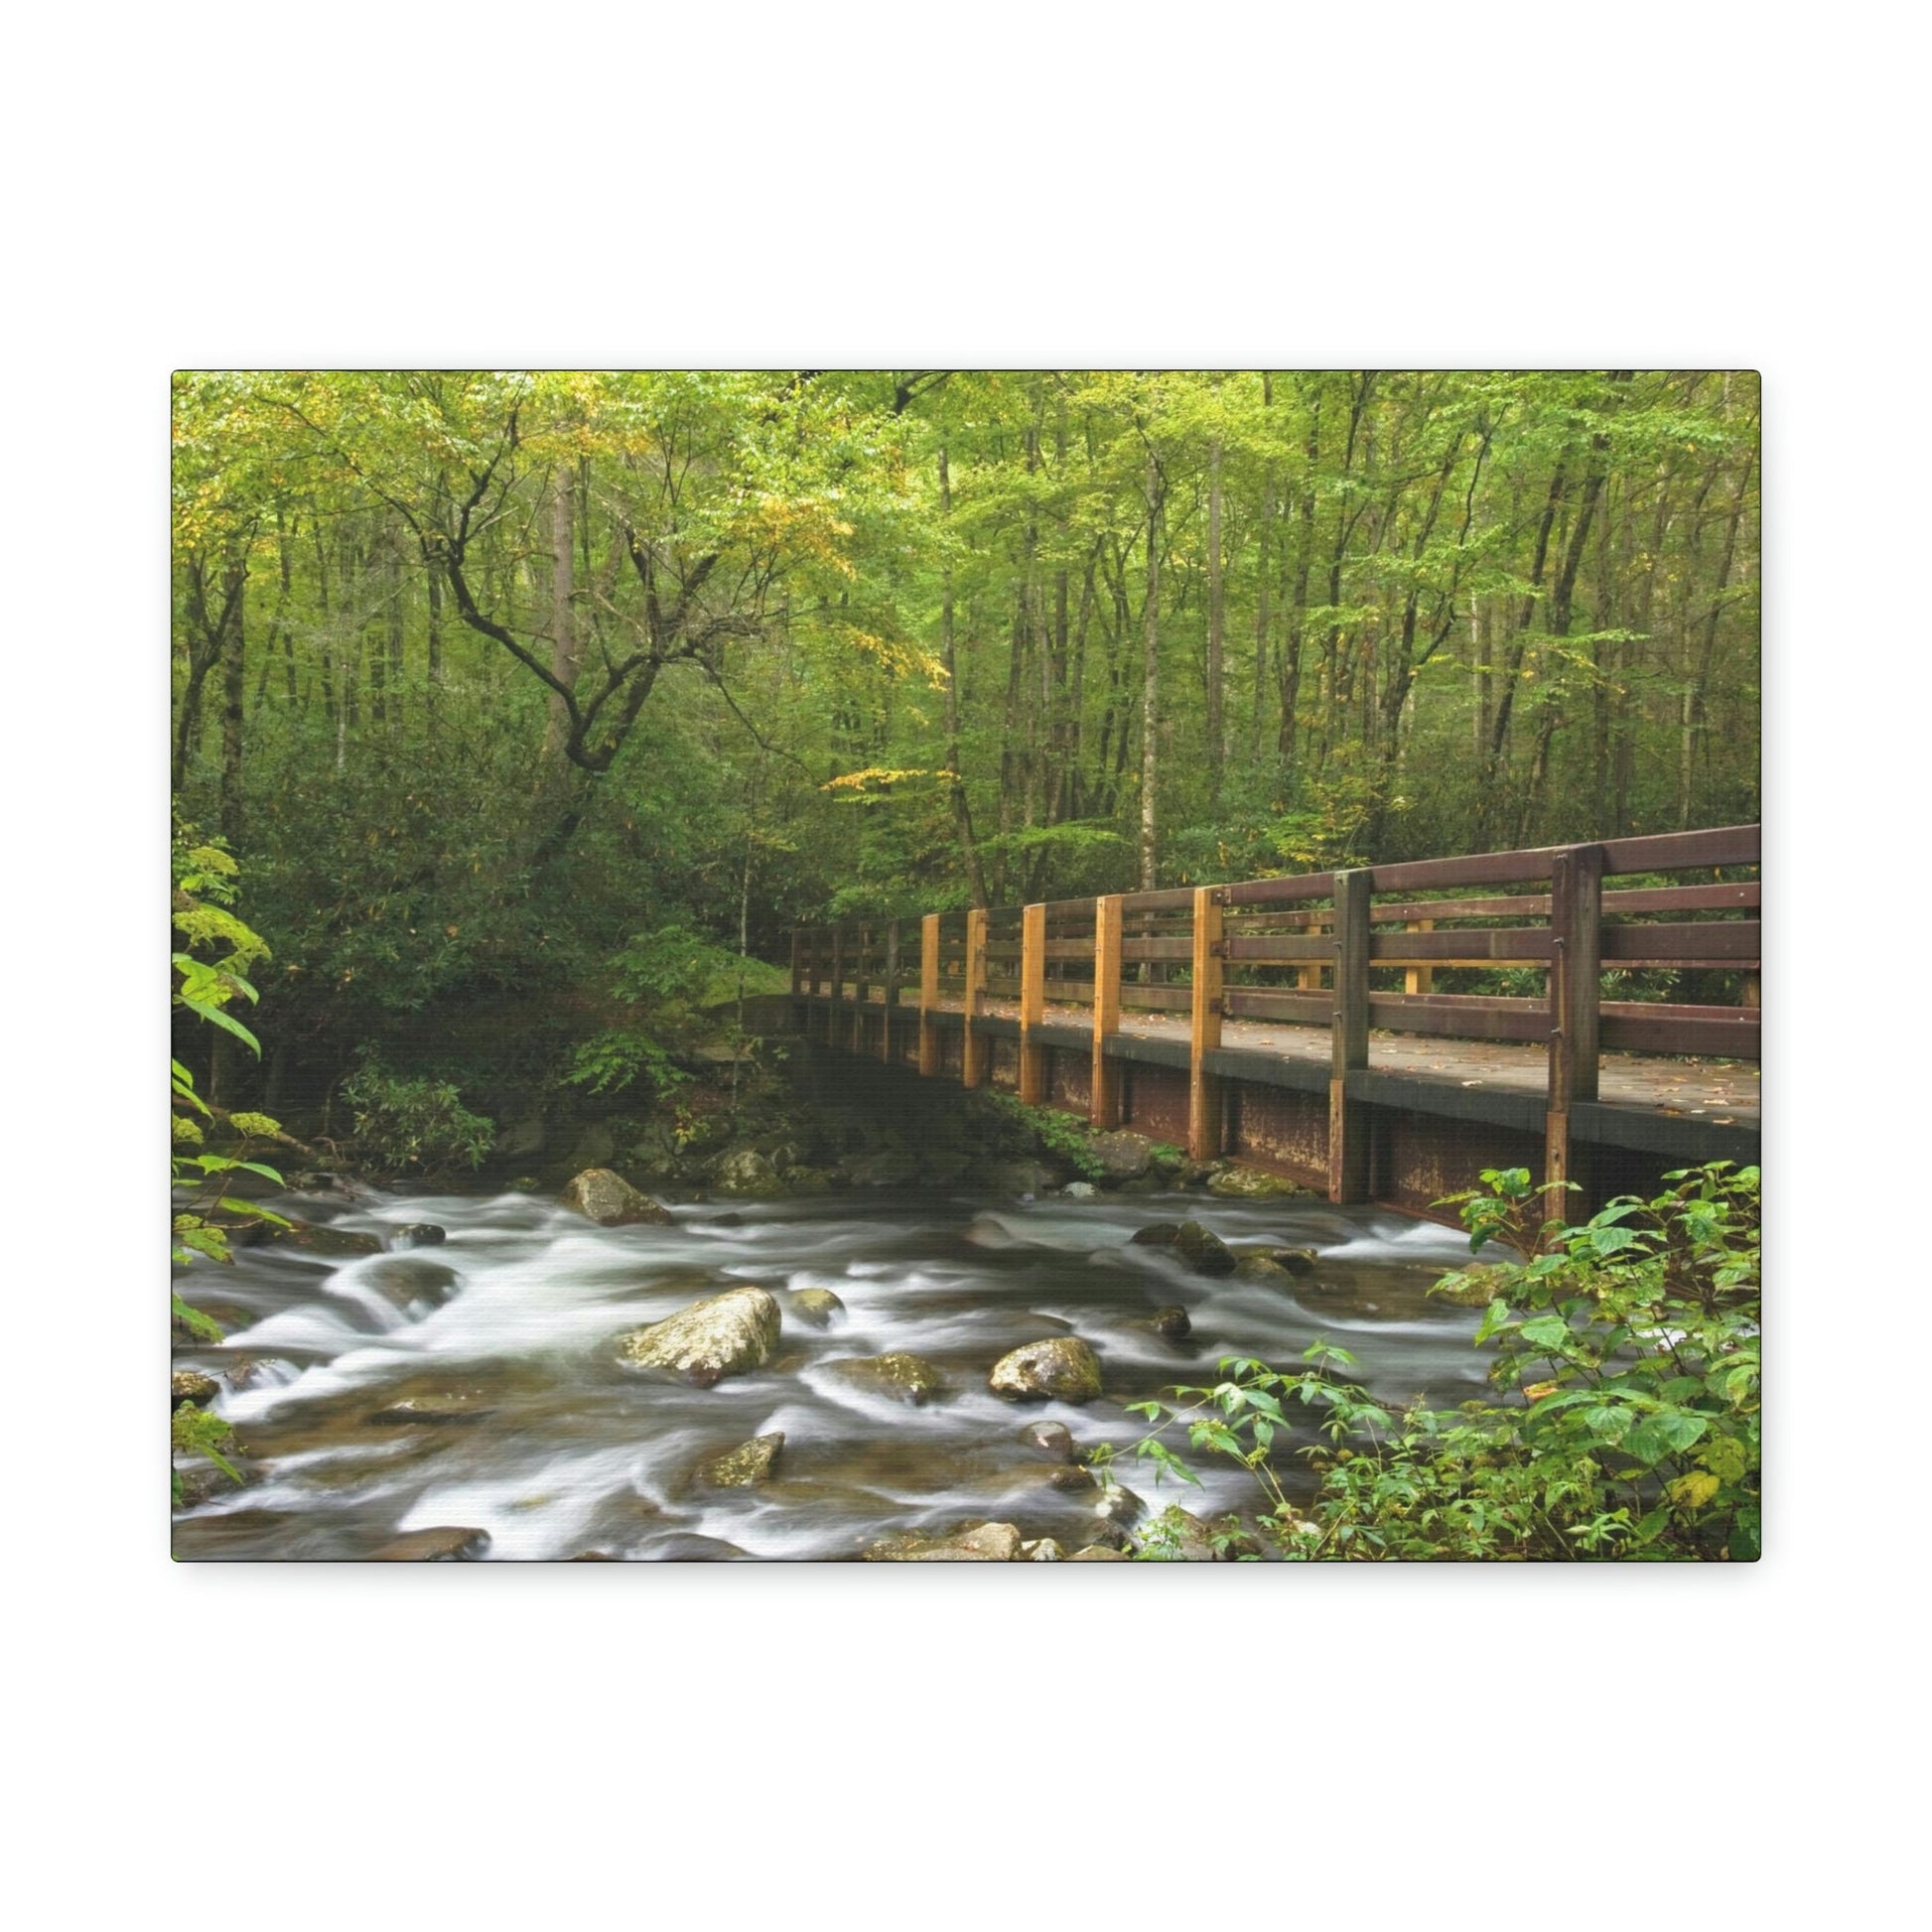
x,y
1628,1351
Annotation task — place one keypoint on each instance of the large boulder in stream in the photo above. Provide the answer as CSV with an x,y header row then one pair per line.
x,y
1061,1368
891,1167
749,1464
903,1377
419,1234
984,1543
746,1175
313,1238
1204,1252
723,1335
612,1202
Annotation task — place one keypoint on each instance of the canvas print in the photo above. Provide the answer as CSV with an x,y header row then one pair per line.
x,y
965,965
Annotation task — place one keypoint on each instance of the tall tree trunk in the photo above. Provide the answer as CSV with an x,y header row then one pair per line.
x,y
562,626
962,810
1216,673
1151,676
1693,717
234,691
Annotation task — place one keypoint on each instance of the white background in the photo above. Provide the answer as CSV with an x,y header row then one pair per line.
x,y
1647,186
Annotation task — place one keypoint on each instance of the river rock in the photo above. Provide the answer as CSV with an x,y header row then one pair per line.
x,y
817,1308
190,1385
1061,1368
1052,1438
1204,1252
1098,1553
1070,1476
1042,1549
1297,1261
906,1378
1237,1540
893,1167
313,1239
1262,1268
985,1543
746,1175
411,1283
1250,1184
750,1462
1156,1234
442,1407
1119,1508
1122,1156
249,1373
435,1546
1173,1323
612,1202
723,1335
418,1234
1020,1180
1079,1190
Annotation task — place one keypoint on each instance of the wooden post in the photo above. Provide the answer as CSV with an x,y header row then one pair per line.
x,y
928,994
1103,1109
892,992
861,986
797,962
1033,1004
1419,979
1348,1039
1308,978
1204,1036
837,987
1575,993
973,1044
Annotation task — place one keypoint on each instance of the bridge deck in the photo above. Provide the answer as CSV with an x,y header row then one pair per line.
x,y
1722,1093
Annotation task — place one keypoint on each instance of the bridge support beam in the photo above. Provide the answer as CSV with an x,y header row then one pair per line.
x,y
1103,1104
891,1011
1204,1034
974,1044
1033,1005
928,995
1576,994
1348,1039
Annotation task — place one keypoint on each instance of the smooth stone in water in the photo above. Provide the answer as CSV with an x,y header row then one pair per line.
x,y
723,1335
1205,1253
334,1242
1061,1368
1053,1438
1156,1234
418,1234
1072,1476
817,1308
1098,1553
1173,1323
906,1378
446,1408
1297,1261
988,1542
435,1546
190,1385
410,1281
750,1462
1042,1549
612,1202
894,1168
746,1175
1262,1268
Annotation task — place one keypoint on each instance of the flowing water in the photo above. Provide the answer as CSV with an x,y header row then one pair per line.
x,y
556,1452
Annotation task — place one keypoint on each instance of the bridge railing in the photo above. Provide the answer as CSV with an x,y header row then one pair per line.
x,y
1345,950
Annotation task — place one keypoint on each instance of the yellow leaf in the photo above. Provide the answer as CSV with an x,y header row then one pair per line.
x,y
1693,1490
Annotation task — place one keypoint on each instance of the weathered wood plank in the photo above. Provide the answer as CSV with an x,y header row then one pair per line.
x,y
1033,1005
928,994
1348,1039
974,1054
1103,1108
1204,1032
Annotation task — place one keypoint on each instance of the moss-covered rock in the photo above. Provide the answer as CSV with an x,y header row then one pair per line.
x,y
1123,1156
903,1377
190,1385
1250,1184
746,1175
1204,1252
1061,1368
1156,1234
723,1335
816,1307
749,1464
313,1238
612,1202
1297,1261
983,1542
1171,1321
1263,1268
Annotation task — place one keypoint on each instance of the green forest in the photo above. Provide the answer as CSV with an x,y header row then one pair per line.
x,y
528,701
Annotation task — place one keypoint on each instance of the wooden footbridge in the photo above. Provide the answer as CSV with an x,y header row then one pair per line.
x,y
1295,1024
